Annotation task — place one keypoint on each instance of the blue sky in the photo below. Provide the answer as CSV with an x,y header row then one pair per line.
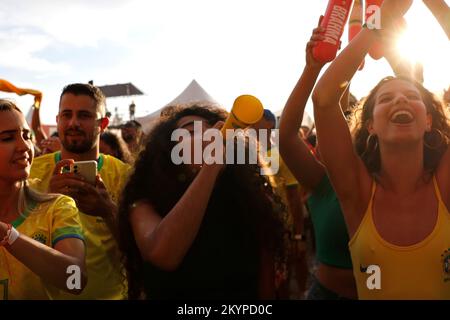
x,y
230,47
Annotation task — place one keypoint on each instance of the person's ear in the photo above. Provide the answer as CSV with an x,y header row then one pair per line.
x,y
429,122
369,126
104,122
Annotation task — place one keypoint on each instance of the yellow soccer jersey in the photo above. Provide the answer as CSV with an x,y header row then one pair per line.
x,y
281,181
283,178
105,274
48,223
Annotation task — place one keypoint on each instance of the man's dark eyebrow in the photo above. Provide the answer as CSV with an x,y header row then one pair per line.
x,y
67,109
85,112
76,112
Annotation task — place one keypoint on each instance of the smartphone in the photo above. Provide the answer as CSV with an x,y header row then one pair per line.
x,y
88,169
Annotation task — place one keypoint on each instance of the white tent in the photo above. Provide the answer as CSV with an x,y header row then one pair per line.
x,y
193,93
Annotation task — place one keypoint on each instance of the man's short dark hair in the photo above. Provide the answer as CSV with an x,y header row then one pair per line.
x,y
87,90
270,117
132,124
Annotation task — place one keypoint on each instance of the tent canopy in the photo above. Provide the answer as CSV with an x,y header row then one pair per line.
x,y
193,93
120,90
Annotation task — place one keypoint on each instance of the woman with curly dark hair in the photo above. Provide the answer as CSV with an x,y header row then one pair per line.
x,y
206,231
393,181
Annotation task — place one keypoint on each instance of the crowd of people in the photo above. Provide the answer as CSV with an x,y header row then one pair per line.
x,y
358,208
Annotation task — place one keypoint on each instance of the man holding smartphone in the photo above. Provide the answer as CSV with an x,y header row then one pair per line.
x,y
80,121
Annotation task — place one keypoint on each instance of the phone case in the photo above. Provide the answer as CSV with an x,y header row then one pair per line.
x,y
88,169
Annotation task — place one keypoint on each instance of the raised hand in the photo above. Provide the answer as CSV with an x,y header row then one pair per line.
x,y
441,12
316,37
392,11
59,180
94,200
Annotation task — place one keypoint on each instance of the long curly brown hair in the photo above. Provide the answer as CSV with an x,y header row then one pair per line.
x,y
435,141
157,180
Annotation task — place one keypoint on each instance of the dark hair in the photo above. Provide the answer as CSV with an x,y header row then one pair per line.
x,y
132,124
352,100
166,111
118,145
312,140
157,180
7,105
446,96
269,116
435,142
87,90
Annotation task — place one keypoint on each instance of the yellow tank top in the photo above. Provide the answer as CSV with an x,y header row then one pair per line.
x,y
386,271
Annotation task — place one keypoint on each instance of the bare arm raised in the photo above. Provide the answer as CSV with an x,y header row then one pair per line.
x,y
348,174
164,241
305,167
441,12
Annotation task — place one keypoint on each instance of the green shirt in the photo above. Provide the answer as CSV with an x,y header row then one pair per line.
x,y
329,226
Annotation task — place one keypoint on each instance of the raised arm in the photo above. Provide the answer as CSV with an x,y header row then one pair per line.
x,y
333,83
37,127
348,174
441,12
399,65
165,241
293,149
337,153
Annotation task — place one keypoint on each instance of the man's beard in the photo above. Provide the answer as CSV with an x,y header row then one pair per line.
x,y
79,146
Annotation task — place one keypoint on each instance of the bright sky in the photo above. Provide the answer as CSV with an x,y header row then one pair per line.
x,y
230,47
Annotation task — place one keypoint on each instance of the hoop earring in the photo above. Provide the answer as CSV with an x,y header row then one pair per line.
x,y
441,139
368,141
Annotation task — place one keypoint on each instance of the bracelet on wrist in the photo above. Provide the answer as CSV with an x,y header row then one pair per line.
x,y
11,236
